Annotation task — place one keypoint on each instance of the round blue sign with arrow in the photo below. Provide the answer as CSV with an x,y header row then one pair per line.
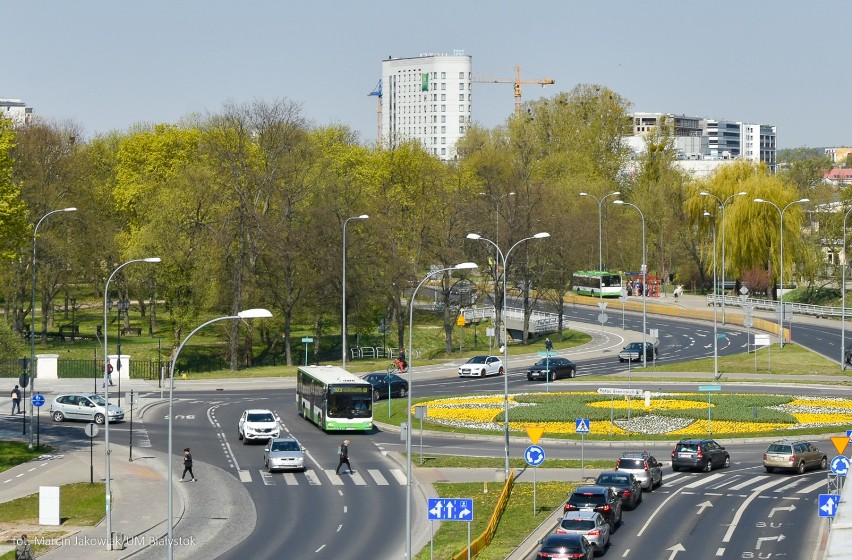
x,y
38,400
534,455
840,465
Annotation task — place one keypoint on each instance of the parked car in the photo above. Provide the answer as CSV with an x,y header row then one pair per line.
x,y
644,466
480,366
589,524
258,424
602,499
284,453
575,547
384,383
90,407
625,485
699,454
791,455
558,367
633,352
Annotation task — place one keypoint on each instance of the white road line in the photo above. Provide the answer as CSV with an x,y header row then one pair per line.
x,y
399,476
358,479
704,480
245,476
812,487
748,482
755,493
266,477
311,476
793,484
377,476
290,479
333,477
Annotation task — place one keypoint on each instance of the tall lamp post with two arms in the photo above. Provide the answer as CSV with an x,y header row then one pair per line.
x,y
644,284
843,263
33,371
715,322
600,225
343,293
106,399
722,204
408,477
504,259
781,262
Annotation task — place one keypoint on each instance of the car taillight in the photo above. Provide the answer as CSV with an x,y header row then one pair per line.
x,y
560,531
792,458
595,533
605,508
569,507
700,453
626,493
646,465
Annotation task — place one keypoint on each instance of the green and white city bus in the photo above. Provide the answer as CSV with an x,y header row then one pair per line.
x,y
597,283
334,399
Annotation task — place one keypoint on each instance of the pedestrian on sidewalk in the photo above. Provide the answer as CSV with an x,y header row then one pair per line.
x,y
23,549
187,466
109,373
344,457
16,401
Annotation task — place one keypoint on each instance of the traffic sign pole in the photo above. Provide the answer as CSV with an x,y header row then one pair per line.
x,y
37,402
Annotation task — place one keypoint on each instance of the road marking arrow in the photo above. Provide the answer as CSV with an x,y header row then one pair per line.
x,y
778,538
703,506
791,507
675,549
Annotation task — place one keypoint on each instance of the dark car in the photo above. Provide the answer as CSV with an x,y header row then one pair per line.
x,y
643,466
633,352
699,454
558,367
602,499
625,484
382,382
575,547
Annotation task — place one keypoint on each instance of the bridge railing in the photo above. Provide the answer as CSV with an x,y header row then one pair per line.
x,y
773,306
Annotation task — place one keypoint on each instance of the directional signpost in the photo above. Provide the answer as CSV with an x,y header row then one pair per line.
x,y
451,509
38,402
827,504
623,392
547,354
709,389
534,456
307,340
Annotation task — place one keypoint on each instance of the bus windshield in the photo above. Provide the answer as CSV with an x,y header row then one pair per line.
x,y
349,404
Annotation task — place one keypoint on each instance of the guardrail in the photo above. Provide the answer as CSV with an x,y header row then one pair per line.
x,y
773,306
540,321
480,542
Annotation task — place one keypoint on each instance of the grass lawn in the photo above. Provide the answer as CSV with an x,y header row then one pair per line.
x,y
452,461
81,503
13,453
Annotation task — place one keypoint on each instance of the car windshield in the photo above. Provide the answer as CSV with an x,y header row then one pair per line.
x,y
97,399
611,479
578,524
778,448
260,417
477,360
285,446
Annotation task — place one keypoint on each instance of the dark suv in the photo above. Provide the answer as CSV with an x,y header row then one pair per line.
x,y
602,499
643,466
699,454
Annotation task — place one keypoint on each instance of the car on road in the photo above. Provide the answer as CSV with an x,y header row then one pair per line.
x,y
284,453
90,407
589,524
793,455
699,454
602,499
633,352
557,367
625,485
644,466
386,385
480,366
575,547
258,424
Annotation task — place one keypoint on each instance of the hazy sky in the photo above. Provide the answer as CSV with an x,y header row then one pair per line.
x,y
110,64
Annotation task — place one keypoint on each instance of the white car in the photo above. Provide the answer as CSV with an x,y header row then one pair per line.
x,y
480,366
258,424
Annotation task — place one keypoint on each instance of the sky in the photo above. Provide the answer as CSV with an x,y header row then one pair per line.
x,y
109,65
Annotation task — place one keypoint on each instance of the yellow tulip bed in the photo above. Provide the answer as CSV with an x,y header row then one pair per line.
x,y
670,414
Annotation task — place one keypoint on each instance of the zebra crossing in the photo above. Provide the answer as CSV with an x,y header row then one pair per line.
x,y
741,484
318,477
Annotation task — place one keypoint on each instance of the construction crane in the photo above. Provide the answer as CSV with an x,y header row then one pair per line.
x,y
377,92
517,81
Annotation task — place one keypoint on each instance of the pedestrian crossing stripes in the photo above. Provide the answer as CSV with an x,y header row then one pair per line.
x,y
726,482
313,477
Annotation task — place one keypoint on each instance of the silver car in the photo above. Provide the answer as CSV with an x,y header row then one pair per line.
x,y
643,466
589,524
90,407
284,453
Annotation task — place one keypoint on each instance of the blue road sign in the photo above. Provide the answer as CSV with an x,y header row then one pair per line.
x,y
828,504
38,400
582,426
445,509
849,434
534,455
840,465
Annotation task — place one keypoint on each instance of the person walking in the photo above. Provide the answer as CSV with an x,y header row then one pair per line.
x,y
344,457
548,344
23,549
16,400
109,373
187,466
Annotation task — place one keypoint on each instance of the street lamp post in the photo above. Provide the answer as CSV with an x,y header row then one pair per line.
x,y
781,264
600,225
408,477
106,398
343,294
844,264
722,204
715,307
505,259
242,315
33,371
497,237
644,283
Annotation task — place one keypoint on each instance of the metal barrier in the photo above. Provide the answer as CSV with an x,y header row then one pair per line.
x,y
480,542
773,306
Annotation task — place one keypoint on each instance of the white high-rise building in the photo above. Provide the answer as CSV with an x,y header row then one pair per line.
x,y
427,99
758,143
15,110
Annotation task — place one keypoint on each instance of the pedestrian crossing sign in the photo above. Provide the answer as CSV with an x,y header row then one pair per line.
x,y
582,426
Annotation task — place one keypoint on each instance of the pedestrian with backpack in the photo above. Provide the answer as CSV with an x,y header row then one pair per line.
x,y
16,400
344,457
23,549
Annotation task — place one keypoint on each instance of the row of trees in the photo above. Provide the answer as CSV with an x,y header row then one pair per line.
x,y
246,206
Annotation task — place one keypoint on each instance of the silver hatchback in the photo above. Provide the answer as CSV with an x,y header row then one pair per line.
x,y
90,407
589,524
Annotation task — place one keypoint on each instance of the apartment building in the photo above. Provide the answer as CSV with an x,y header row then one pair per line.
x,y
16,110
